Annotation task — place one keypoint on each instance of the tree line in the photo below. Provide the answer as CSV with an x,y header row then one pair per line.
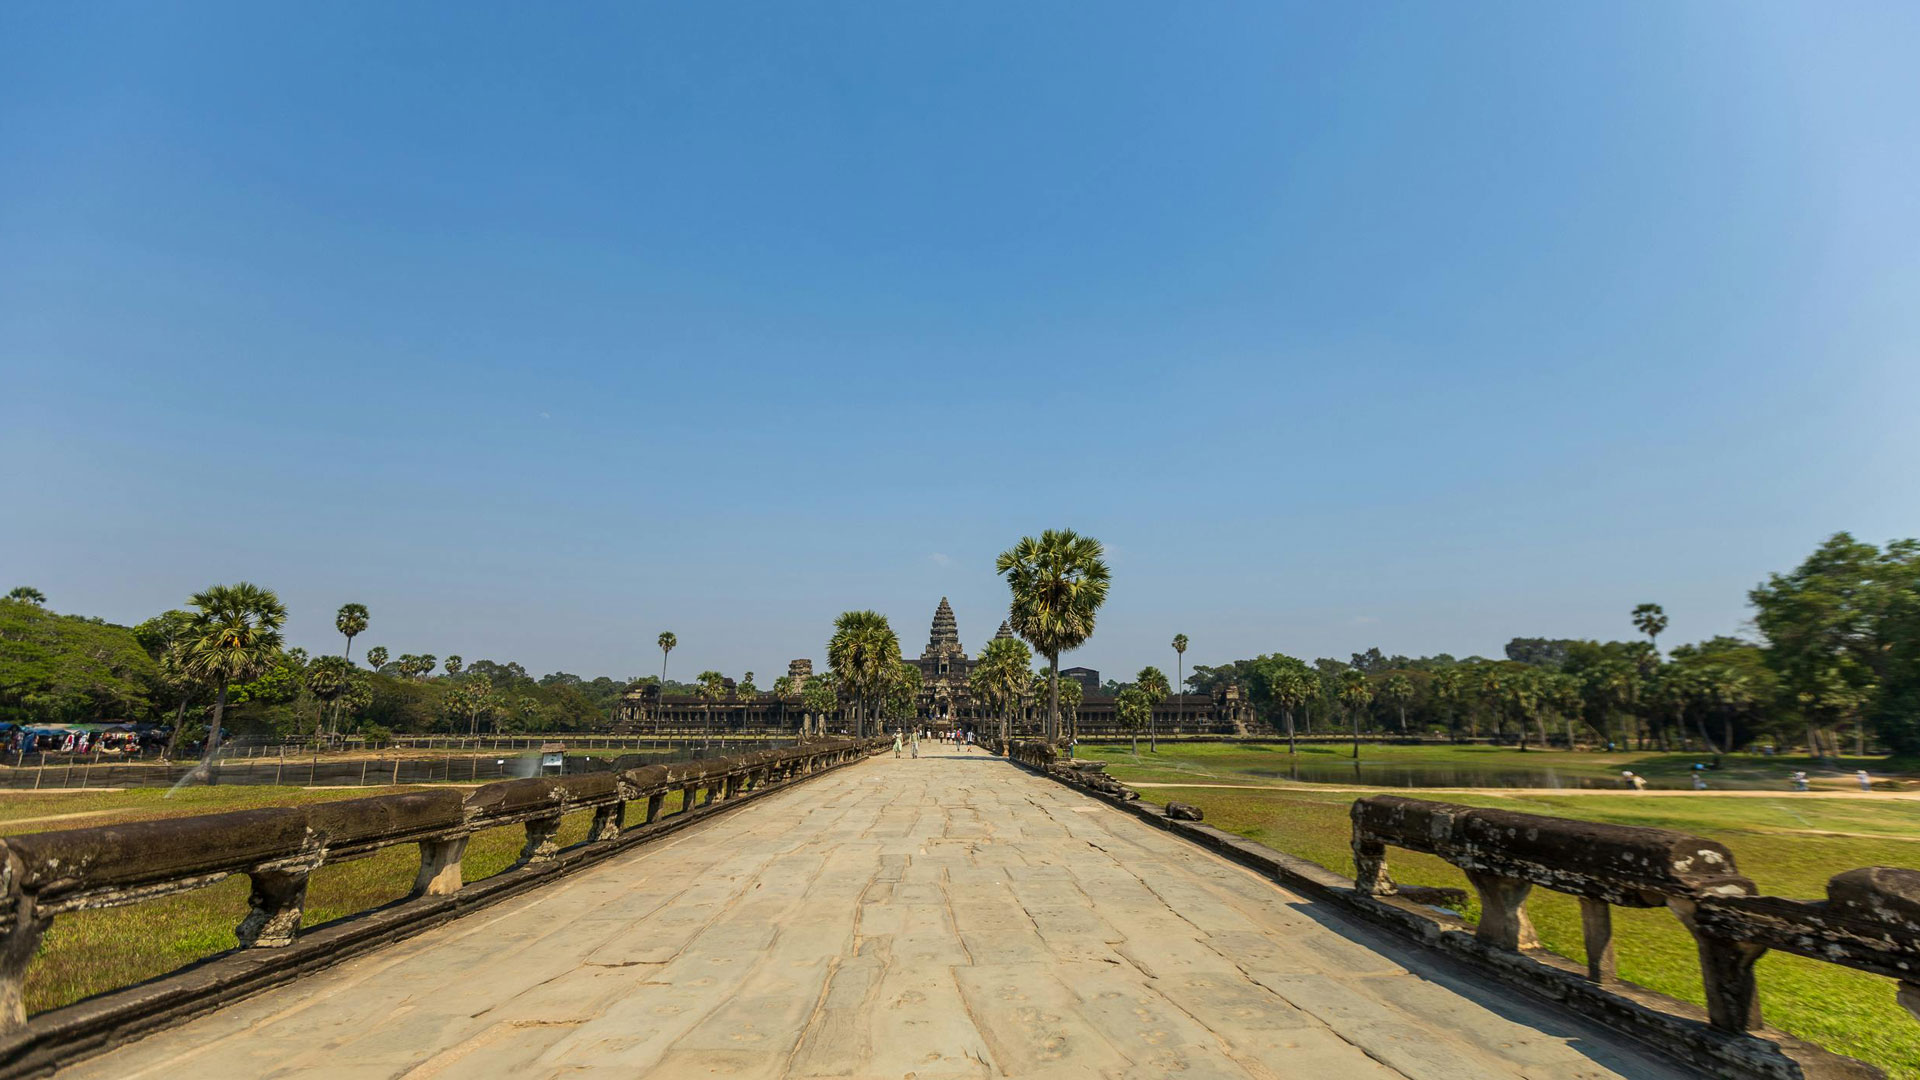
x,y
1835,660
221,666
1836,656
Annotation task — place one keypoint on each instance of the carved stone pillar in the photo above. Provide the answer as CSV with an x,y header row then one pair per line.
x,y
1370,868
440,866
1596,928
607,821
17,947
1726,967
541,845
1503,911
275,905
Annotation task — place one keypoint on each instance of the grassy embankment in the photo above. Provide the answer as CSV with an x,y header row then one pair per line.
x,y
1789,844
94,951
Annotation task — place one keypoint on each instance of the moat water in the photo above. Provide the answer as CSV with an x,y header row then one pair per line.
x,y
1320,769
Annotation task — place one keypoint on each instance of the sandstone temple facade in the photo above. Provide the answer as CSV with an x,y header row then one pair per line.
x,y
946,700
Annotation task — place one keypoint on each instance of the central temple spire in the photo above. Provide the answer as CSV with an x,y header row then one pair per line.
x,y
946,633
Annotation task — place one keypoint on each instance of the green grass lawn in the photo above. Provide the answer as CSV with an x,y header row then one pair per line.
x,y
1789,845
89,952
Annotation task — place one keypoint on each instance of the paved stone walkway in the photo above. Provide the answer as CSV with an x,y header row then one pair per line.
x,y
951,916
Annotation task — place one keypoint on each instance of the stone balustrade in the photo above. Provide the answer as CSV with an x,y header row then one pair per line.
x,y
49,874
1870,919
1044,756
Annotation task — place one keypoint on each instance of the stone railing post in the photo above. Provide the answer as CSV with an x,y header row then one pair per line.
x,y
1596,929
541,845
440,866
607,822
686,799
275,905
1370,876
1503,911
656,802
1726,969
17,947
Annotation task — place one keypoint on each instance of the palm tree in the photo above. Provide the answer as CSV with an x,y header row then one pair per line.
x,y
376,658
350,620
1132,708
666,641
1399,690
168,646
327,679
1649,619
820,697
1179,680
473,699
1058,583
1356,694
713,687
902,692
1071,695
1291,687
861,655
746,692
782,690
1446,692
233,637
1002,674
1152,682
27,594
455,663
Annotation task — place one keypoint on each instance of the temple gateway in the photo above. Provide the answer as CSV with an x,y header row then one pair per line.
x,y
946,701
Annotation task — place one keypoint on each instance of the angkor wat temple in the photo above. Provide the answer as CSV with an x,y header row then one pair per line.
x,y
946,701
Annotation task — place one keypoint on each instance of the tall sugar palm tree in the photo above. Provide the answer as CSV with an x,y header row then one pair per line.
x,y
455,663
1292,686
861,655
1446,693
1152,682
328,678
1058,583
1399,690
1179,679
1071,695
376,658
902,692
233,636
27,594
1650,619
666,641
746,692
820,697
713,687
1131,709
1005,670
782,690
1356,694
170,634
350,620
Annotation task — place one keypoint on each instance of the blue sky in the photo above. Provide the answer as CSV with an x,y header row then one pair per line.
x,y
542,329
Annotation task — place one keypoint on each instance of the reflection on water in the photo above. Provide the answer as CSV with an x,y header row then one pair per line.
x,y
1320,770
